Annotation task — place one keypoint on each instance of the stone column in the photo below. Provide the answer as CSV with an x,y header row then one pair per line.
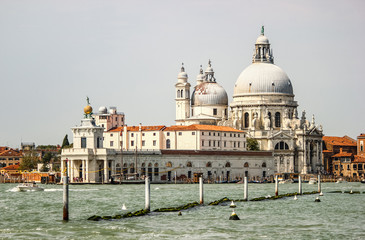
x,y
83,170
87,170
105,171
71,170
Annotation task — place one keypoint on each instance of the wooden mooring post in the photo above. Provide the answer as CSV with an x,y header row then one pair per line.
x,y
201,190
300,191
276,186
65,195
147,194
319,183
245,193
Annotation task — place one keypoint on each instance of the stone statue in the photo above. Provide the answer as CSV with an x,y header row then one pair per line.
x,y
255,121
267,120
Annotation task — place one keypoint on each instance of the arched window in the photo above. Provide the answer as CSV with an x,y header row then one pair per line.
x,y
281,146
277,119
182,93
156,164
189,164
209,164
178,93
269,114
150,165
246,164
169,164
168,143
228,164
143,165
264,165
247,120
118,169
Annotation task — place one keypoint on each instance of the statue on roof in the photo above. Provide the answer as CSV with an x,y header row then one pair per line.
x,y
262,30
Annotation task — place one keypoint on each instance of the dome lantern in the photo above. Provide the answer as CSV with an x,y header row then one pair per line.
x,y
262,52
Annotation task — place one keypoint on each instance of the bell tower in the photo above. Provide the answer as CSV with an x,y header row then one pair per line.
x,y
182,97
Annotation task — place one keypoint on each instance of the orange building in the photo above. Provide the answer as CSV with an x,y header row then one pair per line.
x,y
9,156
337,145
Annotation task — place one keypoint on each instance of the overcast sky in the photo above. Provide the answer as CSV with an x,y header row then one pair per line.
x,y
128,54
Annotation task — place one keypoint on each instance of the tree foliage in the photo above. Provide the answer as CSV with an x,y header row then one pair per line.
x,y
65,142
46,159
30,161
252,144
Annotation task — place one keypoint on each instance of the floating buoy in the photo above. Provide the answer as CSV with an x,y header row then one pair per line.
x,y
351,192
321,194
234,216
179,214
232,205
123,207
295,197
317,199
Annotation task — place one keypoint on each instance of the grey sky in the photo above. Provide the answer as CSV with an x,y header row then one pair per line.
x,y
128,54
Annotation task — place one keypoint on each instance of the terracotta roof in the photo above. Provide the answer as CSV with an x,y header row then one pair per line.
x,y
225,153
339,141
196,127
362,135
11,153
11,167
3,149
359,159
136,128
343,154
327,151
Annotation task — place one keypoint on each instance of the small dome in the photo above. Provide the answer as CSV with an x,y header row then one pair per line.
x,y
209,93
263,78
103,110
209,70
88,109
262,39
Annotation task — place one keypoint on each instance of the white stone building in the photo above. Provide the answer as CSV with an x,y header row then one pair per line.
x,y
263,106
160,152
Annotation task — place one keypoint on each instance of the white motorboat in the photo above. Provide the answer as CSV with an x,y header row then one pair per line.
x,y
312,181
29,187
286,181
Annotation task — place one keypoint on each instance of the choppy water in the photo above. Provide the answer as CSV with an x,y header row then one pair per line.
x,y
38,215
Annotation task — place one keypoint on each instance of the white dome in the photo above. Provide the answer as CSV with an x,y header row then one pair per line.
x,y
103,110
209,93
262,39
263,78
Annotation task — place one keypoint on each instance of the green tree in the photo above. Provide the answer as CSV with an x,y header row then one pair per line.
x,y
47,158
65,142
30,160
252,144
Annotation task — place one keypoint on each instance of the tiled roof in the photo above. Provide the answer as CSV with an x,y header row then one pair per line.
x,y
11,153
136,128
327,151
3,149
196,127
362,135
359,159
339,141
11,167
343,154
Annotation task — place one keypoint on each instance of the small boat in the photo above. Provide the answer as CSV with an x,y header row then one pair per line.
x,y
232,205
124,207
341,180
312,181
286,181
362,180
295,197
321,193
23,187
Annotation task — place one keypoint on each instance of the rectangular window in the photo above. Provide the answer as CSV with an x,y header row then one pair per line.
x,y
132,143
214,134
132,134
225,134
238,135
154,134
83,142
238,144
202,143
202,133
168,134
214,111
336,167
209,133
180,133
348,166
143,143
154,142
156,172
218,134
225,144
209,143
234,144
230,134
218,143
213,143
359,166
192,133
234,135
354,166
142,134
111,143
111,134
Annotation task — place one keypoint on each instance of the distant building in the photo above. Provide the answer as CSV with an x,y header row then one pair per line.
x,y
337,147
27,146
109,119
9,156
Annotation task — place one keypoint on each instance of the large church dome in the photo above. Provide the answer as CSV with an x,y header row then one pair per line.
x,y
209,93
263,78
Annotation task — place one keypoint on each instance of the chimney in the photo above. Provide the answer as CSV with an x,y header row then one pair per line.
x,y
340,150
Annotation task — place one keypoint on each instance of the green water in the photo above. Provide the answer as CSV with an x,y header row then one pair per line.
x,y
38,215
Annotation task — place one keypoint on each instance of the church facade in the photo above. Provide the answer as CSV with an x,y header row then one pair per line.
x,y
263,106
